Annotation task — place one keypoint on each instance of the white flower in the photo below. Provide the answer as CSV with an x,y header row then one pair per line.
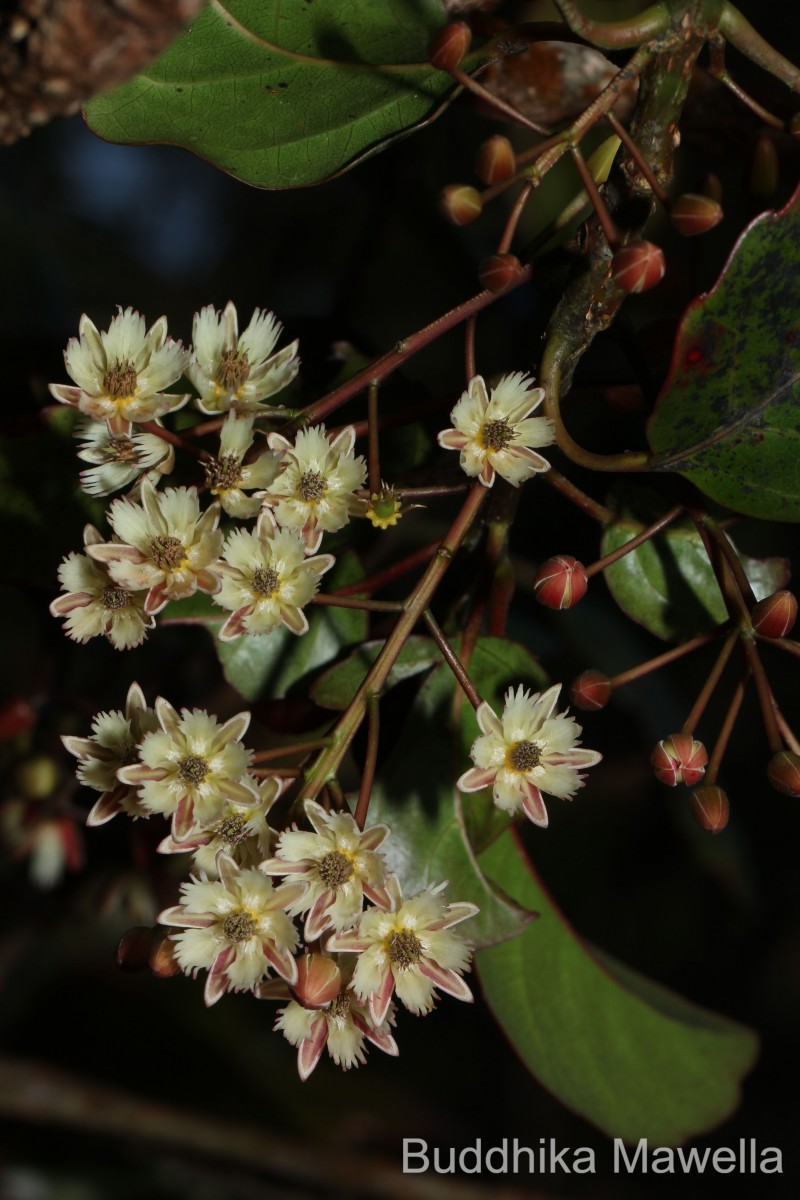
x,y
267,579
121,373
191,767
228,477
239,831
315,491
165,546
235,928
340,865
114,743
95,605
493,434
342,1026
526,752
408,950
119,458
233,371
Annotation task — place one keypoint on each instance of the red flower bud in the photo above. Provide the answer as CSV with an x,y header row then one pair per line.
x,y
449,46
560,582
783,772
710,807
162,960
679,759
319,981
495,161
638,267
775,615
499,271
692,214
460,203
591,690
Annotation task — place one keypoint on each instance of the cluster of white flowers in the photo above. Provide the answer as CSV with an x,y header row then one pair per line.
x,y
237,925
162,547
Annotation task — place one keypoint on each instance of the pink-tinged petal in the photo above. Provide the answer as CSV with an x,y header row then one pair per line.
x,y
288,893
239,793
348,942
234,626
135,703
380,1038
138,773
379,1001
378,895
62,606
533,804
374,836
294,618
233,730
454,915
476,778
107,807
452,439
279,444
177,915
319,919
278,866
168,845
486,476
311,535
217,982
488,720
282,961
266,525
532,460
118,426
576,757
183,820
310,1050
446,980
320,563
228,871
114,552
344,441
81,747
272,989
65,394
156,599
546,703
208,582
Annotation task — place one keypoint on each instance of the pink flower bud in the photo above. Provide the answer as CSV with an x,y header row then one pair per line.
x,y
449,46
560,582
679,759
775,615
783,772
710,807
692,214
591,690
498,271
638,267
460,203
319,981
495,161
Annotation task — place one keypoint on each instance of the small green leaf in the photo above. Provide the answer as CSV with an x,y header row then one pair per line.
x,y
339,684
284,93
728,417
630,1056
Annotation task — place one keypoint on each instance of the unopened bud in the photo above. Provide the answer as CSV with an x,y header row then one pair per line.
x,y
461,204
679,759
692,214
711,185
764,172
133,950
591,691
560,582
710,807
775,615
499,271
319,981
783,772
495,161
450,46
638,267
161,959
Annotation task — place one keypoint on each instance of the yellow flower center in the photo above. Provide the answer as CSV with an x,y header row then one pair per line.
x,y
239,926
496,435
119,381
312,486
335,869
168,553
223,473
233,370
266,581
523,756
193,769
404,948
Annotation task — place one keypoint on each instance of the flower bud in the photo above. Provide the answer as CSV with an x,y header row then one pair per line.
x,y
499,271
460,203
783,772
764,171
591,690
560,582
692,214
134,948
449,46
319,981
679,759
775,615
711,185
638,267
161,959
495,161
16,717
710,807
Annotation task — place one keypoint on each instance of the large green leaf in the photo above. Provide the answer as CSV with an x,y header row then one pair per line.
x,y
728,417
283,93
337,686
627,1054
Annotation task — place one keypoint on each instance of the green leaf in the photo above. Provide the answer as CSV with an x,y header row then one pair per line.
x,y
415,794
272,663
728,417
632,1057
284,93
339,684
668,584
